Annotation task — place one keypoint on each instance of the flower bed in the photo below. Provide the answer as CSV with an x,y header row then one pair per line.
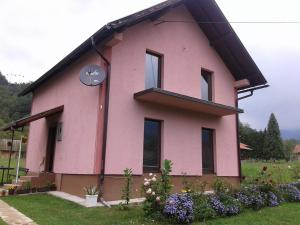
x,y
189,206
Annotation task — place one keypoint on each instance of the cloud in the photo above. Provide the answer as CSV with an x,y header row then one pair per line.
x,y
36,34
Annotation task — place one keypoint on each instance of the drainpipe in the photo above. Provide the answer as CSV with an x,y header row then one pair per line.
x,y
251,90
104,138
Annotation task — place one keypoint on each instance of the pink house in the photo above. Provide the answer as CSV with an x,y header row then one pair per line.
x,y
173,74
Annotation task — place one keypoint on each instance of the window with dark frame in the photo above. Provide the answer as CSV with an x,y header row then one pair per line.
x,y
208,151
153,70
206,85
152,145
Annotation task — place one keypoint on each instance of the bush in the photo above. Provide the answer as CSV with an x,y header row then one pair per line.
x,y
196,186
126,191
251,197
273,200
202,207
221,186
289,192
256,197
165,184
225,205
296,184
153,202
157,190
179,207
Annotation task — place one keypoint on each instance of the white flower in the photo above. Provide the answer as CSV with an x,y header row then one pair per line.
x,y
153,193
154,179
150,174
289,167
146,183
149,191
157,199
145,179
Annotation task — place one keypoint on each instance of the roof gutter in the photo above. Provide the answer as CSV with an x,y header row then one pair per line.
x,y
251,90
106,105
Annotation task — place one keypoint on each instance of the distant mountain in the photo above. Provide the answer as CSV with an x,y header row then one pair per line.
x,y
290,134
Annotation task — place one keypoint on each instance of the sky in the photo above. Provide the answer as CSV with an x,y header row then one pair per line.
x,y
36,34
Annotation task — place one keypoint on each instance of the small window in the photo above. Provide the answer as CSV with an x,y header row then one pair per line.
x,y
206,85
152,145
153,71
207,150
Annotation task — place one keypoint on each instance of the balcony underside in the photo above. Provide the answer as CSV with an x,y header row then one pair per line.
x,y
171,99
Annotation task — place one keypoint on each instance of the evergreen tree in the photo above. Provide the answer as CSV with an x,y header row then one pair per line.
x,y
273,147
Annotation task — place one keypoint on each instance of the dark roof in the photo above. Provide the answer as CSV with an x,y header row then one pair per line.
x,y
28,119
210,19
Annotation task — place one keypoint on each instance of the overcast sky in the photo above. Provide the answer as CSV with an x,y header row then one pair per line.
x,y
36,34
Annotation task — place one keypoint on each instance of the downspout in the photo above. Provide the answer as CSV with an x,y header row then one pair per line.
x,y
251,90
106,105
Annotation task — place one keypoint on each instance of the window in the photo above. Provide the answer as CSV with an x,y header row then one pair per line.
x,y
152,144
153,71
206,85
207,150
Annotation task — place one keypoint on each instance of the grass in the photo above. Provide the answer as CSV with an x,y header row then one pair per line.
x,y
280,171
2,222
4,162
48,210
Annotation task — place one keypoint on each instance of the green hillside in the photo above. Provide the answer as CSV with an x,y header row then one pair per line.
x,y
12,107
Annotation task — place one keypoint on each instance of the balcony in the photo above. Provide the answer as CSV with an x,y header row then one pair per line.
x,y
179,101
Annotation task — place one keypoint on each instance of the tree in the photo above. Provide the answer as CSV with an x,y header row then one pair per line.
x,y
254,139
273,147
12,107
288,147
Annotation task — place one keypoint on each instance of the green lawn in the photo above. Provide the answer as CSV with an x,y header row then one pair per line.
x,y
48,210
4,162
2,223
280,170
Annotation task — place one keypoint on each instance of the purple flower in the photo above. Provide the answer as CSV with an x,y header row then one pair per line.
x,y
272,200
217,205
180,208
289,192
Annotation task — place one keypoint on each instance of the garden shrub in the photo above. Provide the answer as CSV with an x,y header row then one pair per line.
x,y
221,186
289,192
165,181
179,207
196,186
225,204
256,197
157,190
202,207
126,191
296,184
273,200
251,197
153,202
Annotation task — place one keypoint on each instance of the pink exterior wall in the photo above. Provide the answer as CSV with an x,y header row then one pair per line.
x,y
76,153
185,50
